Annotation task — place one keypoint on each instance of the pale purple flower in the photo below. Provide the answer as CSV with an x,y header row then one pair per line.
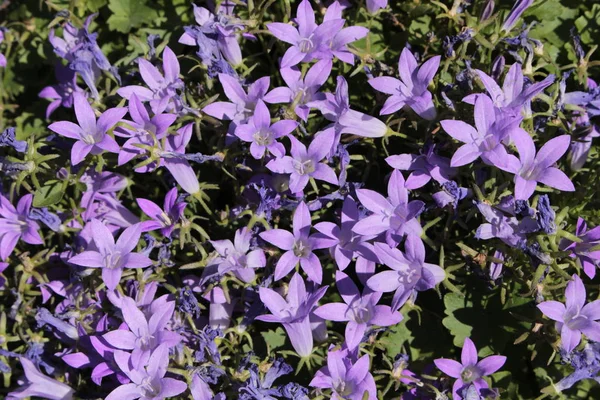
x,y
346,379
586,257
91,135
582,144
161,89
61,93
39,385
241,105
304,163
293,312
301,92
298,246
424,167
144,333
539,167
504,227
112,256
574,317
515,13
164,218
220,309
147,383
394,214
15,224
409,272
469,370
237,257
262,135
496,266
338,44
411,89
374,5
359,310
309,40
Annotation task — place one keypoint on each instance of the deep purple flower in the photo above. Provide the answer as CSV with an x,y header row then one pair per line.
x,y
586,258
515,13
574,317
61,93
262,135
91,136
166,218
409,272
304,163
293,312
110,256
237,257
16,224
359,310
346,379
411,89
469,370
298,246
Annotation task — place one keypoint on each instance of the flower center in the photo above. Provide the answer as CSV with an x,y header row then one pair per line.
x,y
361,314
149,388
263,137
113,260
301,249
306,44
470,374
306,167
164,219
343,388
147,342
88,139
574,320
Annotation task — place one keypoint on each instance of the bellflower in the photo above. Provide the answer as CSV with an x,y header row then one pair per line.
x,y
61,93
293,312
582,143
147,383
173,159
262,135
166,218
538,167
411,89
409,271
504,227
304,163
112,256
424,167
515,13
15,224
308,39
91,135
161,89
220,309
359,310
242,104
338,44
574,317
301,92
375,5
336,108
586,258
396,214
144,334
298,246
469,370
237,258
346,379
39,385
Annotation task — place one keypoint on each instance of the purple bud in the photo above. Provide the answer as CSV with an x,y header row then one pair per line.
x,y
488,10
497,67
515,13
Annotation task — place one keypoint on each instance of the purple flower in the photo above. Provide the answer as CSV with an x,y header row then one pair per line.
x,y
538,167
338,45
347,379
39,385
164,219
8,138
304,163
309,39
581,146
409,271
262,135
173,159
396,214
424,167
360,311
301,92
112,257
15,224
162,89
242,105
515,13
374,5
411,88
147,383
293,312
586,258
237,258
143,334
91,136
298,246
469,370
574,317
506,228
61,93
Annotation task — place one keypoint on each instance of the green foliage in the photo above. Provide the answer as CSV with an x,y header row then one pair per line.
x,y
130,14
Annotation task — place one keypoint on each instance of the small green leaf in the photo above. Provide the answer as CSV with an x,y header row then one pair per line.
x,y
274,339
49,194
128,14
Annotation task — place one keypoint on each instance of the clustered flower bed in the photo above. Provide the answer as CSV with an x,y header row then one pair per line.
x,y
299,199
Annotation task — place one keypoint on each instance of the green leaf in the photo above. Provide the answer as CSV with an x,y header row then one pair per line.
x,y
49,194
274,339
129,14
